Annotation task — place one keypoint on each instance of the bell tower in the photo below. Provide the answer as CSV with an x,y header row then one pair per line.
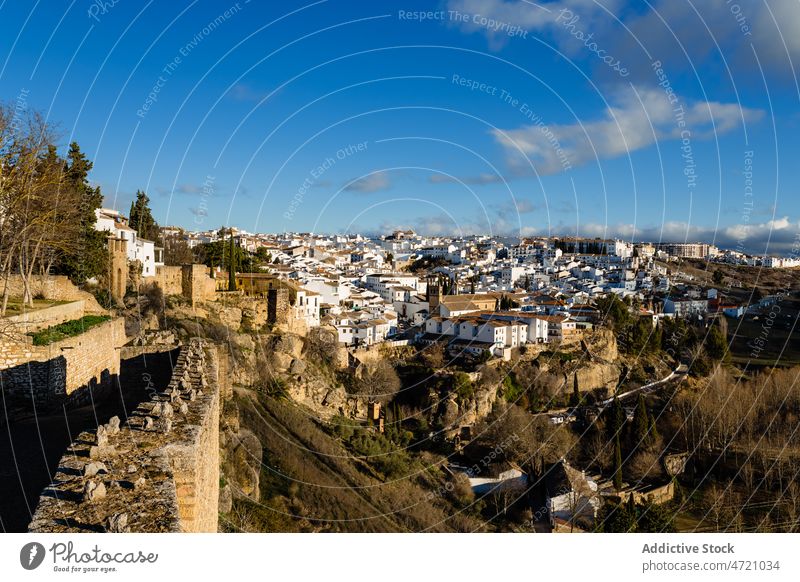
x,y
434,291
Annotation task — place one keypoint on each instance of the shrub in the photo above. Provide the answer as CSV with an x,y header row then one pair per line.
x,y
155,300
103,297
321,345
463,387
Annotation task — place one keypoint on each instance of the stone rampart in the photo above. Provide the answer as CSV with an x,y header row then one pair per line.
x,y
158,472
68,371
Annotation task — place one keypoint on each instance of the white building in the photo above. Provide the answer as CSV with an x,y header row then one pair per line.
x,y
307,307
139,249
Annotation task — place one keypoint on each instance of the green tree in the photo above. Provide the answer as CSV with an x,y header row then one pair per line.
x,y
89,256
615,311
652,518
232,264
641,424
617,464
615,419
652,436
616,518
718,277
716,345
217,254
262,257
141,218
507,302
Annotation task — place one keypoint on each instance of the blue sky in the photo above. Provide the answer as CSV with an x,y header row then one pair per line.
x,y
508,117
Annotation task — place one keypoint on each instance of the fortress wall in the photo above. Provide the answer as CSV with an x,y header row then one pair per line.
x,y
159,472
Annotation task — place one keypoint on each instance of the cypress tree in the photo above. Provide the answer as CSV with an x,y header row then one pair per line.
x,y
652,434
617,464
641,424
141,217
231,265
615,420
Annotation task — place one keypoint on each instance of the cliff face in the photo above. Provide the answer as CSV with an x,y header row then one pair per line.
x,y
309,481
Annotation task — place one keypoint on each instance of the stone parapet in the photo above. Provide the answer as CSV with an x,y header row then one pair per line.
x,y
158,472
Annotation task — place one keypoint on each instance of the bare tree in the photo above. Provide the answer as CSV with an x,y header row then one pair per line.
x,y
38,214
378,382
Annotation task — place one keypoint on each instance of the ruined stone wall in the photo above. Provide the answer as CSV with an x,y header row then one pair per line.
x,y
118,267
41,318
278,306
657,495
158,472
169,278
56,288
197,285
68,371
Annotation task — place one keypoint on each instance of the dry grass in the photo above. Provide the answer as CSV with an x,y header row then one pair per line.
x,y
310,482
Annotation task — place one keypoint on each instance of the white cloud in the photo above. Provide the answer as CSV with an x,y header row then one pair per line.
x,y
665,30
635,120
778,236
773,236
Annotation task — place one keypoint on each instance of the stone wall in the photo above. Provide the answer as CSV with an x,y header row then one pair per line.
x,y
278,306
197,285
41,318
190,281
159,472
56,288
118,267
169,278
69,371
658,495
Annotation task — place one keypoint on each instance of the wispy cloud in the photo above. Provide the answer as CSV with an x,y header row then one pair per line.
x,y
479,180
191,189
375,182
636,119
513,209
245,92
665,29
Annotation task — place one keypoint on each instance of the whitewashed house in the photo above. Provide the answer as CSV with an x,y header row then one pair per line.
x,y
139,249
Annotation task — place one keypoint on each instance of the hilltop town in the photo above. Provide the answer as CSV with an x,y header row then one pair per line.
x,y
543,384
158,379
